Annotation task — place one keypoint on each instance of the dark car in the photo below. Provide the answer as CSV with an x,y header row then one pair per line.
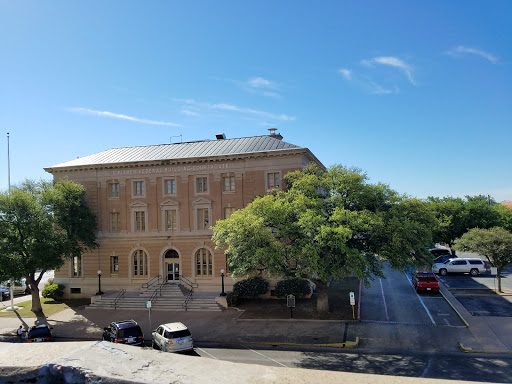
x,y
441,254
4,293
126,332
39,333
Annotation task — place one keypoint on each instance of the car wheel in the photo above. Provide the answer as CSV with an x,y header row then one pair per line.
x,y
443,272
474,272
154,345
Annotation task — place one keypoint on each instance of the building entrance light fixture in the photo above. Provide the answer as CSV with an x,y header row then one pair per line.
x,y
222,278
99,283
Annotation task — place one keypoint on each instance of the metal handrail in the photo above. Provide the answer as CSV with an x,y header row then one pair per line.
x,y
188,282
189,297
155,293
151,282
119,296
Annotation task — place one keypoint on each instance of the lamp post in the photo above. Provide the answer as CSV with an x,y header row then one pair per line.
x,y
222,277
99,283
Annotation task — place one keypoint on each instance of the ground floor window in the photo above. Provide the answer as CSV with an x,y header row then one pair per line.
x,y
114,264
140,263
203,262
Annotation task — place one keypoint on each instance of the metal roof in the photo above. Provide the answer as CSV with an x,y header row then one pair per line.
x,y
176,151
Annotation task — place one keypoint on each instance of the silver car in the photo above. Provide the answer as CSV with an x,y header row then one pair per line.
x,y
460,265
172,337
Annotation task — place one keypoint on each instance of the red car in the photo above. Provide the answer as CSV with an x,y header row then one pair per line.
x,y
425,281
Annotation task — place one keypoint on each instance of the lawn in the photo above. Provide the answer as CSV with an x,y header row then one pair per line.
x,y
50,307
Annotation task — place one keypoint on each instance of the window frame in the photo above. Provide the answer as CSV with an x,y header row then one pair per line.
x,y
139,258
77,267
114,190
231,187
114,264
117,227
135,188
231,209
204,184
173,182
267,183
203,262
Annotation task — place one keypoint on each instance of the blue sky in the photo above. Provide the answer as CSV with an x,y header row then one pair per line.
x,y
418,94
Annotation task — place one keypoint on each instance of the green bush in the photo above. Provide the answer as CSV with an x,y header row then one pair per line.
x,y
53,291
49,282
296,287
232,299
251,287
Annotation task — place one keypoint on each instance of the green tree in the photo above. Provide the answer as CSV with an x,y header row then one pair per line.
x,y
455,216
495,244
326,224
41,226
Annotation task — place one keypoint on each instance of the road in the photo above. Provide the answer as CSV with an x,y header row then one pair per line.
x,y
452,366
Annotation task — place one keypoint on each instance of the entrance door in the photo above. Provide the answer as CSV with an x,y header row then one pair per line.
x,y
173,272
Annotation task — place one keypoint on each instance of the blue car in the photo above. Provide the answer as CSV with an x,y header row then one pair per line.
x,y
4,292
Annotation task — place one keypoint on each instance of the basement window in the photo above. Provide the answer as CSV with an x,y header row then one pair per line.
x,y
76,290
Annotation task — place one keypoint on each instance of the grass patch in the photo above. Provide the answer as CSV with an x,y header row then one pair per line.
x,y
49,306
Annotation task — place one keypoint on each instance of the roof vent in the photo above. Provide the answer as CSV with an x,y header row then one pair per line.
x,y
220,136
274,134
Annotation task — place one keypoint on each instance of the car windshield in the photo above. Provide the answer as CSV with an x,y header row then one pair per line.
x,y
177,334
130,332
38,332
426,276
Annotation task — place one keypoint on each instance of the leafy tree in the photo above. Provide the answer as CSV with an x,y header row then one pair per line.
x,y
495,244
455,216
326,224
41,226
505,216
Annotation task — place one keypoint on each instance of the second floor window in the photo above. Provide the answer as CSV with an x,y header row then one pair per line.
x,y
140,221
202,184
138,188
171,223
228,183
77,266
273,180
228,211
170,186
203,221
115,222
114,190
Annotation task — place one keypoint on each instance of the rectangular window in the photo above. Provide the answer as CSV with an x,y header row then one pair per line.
x,y
114,264
228,211
203,221
115,222
202,184
272,180
229,183
170,220
170,187
77,266
138,188
114,190
140,221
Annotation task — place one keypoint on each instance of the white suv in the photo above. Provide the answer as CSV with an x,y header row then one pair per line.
x,y
172,337
460,265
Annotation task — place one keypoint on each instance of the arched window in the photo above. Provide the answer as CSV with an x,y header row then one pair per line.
x,y
203,262
140,263
172,254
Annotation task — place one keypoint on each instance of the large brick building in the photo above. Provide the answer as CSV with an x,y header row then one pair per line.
x,y
155,206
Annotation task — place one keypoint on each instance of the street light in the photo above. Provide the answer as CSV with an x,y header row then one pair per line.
x,y
222,277
99,283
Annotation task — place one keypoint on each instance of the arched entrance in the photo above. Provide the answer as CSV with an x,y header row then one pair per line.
x,y
172,266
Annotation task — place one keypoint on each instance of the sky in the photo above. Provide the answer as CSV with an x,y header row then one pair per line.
x,y
417,94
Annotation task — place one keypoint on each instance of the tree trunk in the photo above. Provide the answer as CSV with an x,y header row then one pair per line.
x,y
322,300
36,300
498,276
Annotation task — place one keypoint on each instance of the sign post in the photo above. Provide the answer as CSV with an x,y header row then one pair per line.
x,y
148,306
290,302
352,303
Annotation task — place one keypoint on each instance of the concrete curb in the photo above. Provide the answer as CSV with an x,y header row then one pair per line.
x,y
455,309
471,350
346,344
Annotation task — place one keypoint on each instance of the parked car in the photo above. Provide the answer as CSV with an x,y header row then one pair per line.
x,y
172,337
460,265
39,333
4,293
126,332
19,287
425,281
441,254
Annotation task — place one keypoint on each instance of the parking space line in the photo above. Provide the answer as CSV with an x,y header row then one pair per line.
x,y
209,354
384,299
409,277
261,354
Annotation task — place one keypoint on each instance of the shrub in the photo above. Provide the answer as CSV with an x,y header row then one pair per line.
x,y
53,291
296,287
49,282
251,287
232,299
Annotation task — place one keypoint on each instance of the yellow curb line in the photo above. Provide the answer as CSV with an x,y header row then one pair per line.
x,y
346,344
471,350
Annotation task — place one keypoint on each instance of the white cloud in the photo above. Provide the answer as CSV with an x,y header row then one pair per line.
x,y
378,89
473,51
346,73
260,82
393,62
121,117
188,112
249,111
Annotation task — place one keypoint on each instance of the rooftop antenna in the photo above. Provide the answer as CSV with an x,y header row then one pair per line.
x,y
180,136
